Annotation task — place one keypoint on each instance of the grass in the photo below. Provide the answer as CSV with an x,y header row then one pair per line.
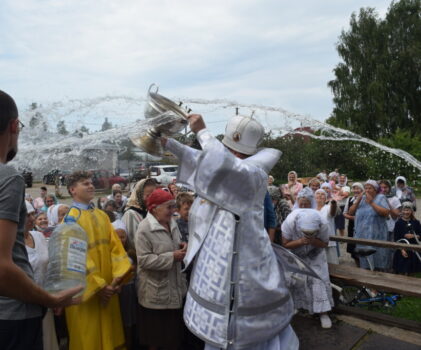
x,y
407,307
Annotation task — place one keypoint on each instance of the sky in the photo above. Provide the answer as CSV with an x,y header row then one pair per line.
x,y
271,52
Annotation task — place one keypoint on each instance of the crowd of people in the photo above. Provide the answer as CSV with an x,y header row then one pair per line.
x,y
374,210
141,248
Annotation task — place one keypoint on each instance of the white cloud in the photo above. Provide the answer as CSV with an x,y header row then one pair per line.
x,y
274,52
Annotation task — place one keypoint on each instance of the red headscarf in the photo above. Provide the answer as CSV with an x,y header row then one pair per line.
x,y
157,197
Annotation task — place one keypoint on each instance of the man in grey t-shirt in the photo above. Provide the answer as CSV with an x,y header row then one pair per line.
x,y
20,298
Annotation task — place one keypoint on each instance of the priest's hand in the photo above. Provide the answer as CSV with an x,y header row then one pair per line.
x,y
196,122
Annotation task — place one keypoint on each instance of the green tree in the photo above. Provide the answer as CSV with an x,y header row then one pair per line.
x,y
61,128
106,125
377,85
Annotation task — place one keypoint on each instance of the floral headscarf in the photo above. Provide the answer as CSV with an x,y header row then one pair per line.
x,y
136,198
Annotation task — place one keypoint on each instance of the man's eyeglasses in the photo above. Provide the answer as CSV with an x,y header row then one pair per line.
x,y
20,125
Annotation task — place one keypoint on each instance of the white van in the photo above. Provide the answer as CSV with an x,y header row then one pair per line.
x,y
164,174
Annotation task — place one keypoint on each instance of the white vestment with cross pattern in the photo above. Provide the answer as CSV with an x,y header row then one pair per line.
x,y
237,297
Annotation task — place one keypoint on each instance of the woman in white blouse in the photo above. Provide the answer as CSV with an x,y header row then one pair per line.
x,y
37,249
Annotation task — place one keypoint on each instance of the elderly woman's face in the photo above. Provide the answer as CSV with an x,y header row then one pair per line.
x,y
147,192
314,186
164,212
357,190
327,189
342,179
406,213
49,201
320,197
41,221
292,177
304,203
370,190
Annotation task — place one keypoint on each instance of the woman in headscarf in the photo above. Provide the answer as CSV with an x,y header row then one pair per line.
x,y
357,189
404,192
162,285
37,249
136,208
292,188
50,200
328,210
56,213
395,210
371,211
307,235
282,210
328,189
314,184
409,229
305,199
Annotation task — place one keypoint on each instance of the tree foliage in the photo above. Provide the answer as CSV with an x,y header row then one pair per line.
x,y
377,87
308,156
61,128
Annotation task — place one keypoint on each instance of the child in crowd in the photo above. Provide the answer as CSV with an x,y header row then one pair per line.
x,y
409,229
128,297
184,202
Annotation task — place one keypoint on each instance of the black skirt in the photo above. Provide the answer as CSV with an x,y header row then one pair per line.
x,y
163,328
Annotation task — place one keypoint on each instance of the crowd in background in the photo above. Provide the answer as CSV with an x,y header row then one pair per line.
x,y
152,224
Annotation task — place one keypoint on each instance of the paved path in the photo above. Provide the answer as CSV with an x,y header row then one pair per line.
x,y
343,336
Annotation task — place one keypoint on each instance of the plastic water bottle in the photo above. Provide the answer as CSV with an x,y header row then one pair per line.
x,y
67,249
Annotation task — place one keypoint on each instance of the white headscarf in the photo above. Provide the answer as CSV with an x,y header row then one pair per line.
x,y
399,190
306,192
29,208
373,183
296,176
358,184
119,225
308,220
320,190
52,214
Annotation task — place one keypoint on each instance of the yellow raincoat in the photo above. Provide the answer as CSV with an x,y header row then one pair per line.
x,y
92,326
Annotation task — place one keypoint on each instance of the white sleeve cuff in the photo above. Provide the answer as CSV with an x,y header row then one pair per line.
x,y
204,136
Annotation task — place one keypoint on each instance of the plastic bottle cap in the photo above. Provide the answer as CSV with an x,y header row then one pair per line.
x,y
70,219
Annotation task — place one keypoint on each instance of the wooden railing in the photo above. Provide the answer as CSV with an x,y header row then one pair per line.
x,y
376,243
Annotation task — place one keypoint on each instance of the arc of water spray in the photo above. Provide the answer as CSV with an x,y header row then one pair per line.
x,y
95,140
346,135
